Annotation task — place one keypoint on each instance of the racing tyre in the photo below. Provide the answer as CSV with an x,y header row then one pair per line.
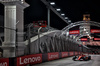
x,y
74,58
84,58
89,57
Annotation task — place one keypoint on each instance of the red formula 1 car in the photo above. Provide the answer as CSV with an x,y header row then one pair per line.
x,y
81,57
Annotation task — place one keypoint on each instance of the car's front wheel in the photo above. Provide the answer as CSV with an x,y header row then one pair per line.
x,y
74,58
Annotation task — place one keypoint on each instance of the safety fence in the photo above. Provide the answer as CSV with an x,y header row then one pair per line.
x,y
35,58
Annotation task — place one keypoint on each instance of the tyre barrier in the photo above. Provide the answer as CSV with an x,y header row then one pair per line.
x,y
35,58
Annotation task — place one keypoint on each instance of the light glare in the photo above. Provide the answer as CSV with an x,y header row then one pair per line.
x,y
62,14
58,9
52,3
66,17
69,20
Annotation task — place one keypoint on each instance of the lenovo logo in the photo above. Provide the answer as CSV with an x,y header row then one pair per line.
x,y
74,32
3,64
52,56
95,30
71,53
64,54
29,60
4,61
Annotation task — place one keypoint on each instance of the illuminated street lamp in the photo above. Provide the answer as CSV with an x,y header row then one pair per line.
x,y
58,9
52,3
55,10
69,20
66,17
62,14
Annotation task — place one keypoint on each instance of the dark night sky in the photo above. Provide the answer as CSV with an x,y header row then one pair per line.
x,y
74,10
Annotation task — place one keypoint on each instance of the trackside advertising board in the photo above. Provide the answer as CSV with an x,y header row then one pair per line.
x,y
71,53
76,53
53,56
97,39
4,62
29,59
74,32
95,30
84,39
64,54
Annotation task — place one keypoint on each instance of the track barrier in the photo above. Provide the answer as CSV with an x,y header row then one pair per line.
x,y
35,58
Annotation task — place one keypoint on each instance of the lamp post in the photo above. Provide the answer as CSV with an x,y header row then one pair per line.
x,y
48,8
29,36
49,18
39,36
29,39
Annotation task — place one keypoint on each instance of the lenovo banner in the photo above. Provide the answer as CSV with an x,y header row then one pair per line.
x,y
53,56
97,39
4,62
83,39
74,32
29,59
80,52
95,30
71,53
64,54
76,53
